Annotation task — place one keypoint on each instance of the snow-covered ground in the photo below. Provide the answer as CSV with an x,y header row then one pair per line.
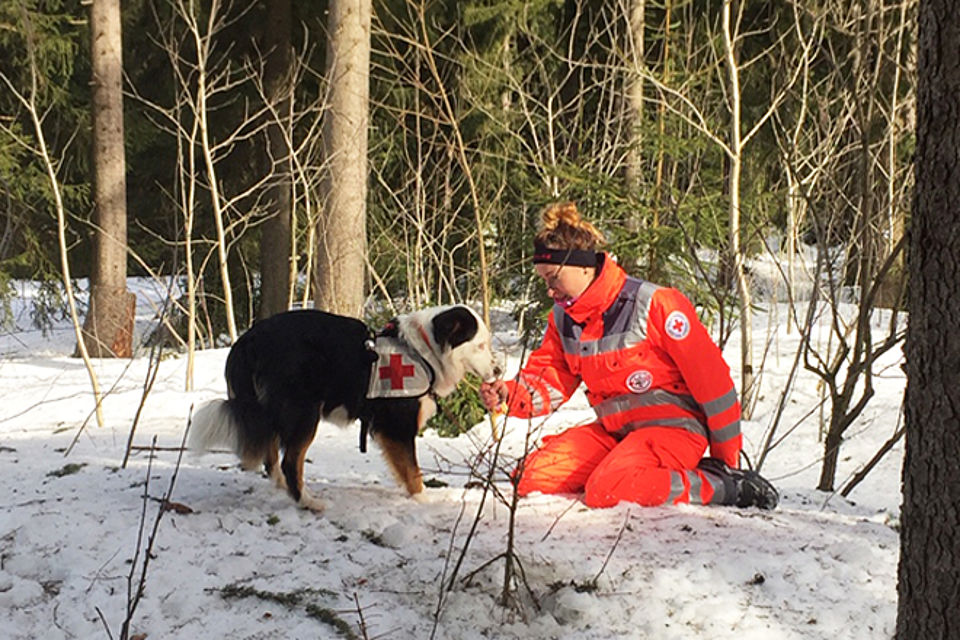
x,y
237,559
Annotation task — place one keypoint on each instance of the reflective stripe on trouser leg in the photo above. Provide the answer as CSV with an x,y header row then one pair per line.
x,y
720,488
650,467
696,487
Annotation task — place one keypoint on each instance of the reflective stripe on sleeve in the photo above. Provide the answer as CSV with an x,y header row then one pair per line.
x,y
721,404
722,434
554,396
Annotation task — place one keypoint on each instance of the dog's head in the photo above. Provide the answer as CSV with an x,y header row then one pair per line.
x,y
465,340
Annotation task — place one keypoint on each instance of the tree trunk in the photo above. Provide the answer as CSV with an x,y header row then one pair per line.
x,y
634,162
831,455
654,257
108,327
341,250
929,569
747,391
276,229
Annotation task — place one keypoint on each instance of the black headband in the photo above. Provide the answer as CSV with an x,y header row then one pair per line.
x,y
572,257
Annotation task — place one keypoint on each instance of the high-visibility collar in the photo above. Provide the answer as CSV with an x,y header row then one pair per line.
x,y
601,293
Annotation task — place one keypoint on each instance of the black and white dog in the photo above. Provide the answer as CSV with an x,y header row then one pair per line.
x,y
293,369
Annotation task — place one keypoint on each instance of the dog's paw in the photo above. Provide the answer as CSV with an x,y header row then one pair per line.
x,y
310,502
279,480
422,497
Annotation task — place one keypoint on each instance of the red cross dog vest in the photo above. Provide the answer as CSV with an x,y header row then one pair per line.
x,y
399,371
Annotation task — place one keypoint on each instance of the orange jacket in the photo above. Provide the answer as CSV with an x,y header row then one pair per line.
x,y
645,358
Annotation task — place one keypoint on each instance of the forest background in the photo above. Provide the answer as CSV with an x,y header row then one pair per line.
x,y
373,157
678,127
699,136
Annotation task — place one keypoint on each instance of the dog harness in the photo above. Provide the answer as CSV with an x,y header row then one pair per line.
x,y
399,371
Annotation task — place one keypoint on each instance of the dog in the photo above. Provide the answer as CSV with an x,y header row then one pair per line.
x,y
293,369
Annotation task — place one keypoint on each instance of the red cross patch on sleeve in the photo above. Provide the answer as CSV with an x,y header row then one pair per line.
x,y
677,326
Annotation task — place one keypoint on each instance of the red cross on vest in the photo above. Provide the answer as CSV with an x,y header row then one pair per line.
x,y
396,371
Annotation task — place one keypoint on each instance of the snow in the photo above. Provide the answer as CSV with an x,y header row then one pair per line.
x,y
242,561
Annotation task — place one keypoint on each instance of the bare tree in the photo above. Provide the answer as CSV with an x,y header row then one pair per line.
x,y
108,328
733,140
844,183
636,12
205,76
339,273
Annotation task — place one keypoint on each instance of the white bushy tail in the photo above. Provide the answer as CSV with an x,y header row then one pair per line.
x,y
213,426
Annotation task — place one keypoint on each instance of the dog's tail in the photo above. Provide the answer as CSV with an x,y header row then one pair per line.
x,y
213,426
229,424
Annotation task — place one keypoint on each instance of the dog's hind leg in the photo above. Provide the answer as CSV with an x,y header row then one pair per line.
x,y
271,464
293,454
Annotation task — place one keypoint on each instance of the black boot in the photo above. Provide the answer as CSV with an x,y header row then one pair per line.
x,y
742,488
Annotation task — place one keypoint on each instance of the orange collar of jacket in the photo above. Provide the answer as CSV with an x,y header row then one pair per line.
x,y
601,293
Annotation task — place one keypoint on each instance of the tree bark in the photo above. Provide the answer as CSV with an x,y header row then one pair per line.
x,y
276,229
108,327
748,392
341,250
929,571
635,107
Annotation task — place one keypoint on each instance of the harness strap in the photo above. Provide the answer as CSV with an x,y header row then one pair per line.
x,y
406,360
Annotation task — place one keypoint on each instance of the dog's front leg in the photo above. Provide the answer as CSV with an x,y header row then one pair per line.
x,y
401,456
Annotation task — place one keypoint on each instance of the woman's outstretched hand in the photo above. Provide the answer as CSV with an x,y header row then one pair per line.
x,y
494,394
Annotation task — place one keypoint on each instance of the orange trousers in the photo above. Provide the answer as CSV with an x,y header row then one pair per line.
x,y
650,466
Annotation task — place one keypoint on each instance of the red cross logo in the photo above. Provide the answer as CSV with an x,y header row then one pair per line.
x,y
396,371
677,325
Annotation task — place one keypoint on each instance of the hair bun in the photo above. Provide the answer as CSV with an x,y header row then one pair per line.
x,y
562,227
561,213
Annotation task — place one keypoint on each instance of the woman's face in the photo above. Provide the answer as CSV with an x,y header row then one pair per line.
x,y
565,282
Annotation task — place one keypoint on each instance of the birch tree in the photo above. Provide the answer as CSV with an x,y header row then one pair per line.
x,y
35,113
732,139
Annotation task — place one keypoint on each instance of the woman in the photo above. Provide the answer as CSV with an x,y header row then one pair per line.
x,y
658,383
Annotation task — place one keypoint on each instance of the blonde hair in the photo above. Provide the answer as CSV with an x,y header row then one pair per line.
x,y
563,228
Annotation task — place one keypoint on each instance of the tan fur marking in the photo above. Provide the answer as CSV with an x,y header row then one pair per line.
x,y
403,465
251,460
300,454
272,463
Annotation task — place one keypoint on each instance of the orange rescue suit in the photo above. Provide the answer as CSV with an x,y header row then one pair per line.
x,y
658,383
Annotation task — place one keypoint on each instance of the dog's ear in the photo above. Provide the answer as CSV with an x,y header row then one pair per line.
x,y
454,326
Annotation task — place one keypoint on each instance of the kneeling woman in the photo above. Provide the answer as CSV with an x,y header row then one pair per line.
x,y
659,385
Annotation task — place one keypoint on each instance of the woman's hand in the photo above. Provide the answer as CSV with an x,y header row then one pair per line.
x,y
493,394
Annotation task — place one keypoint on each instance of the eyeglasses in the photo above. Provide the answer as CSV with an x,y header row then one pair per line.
x,y
552,279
